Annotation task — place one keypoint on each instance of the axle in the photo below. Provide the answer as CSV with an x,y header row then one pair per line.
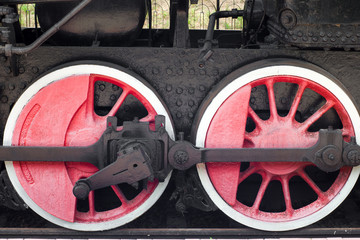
x,y
137,153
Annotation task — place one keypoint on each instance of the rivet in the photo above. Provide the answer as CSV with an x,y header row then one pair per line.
x,y
324,39
155,71
4,99
178,115
35,69
102,87
283,100
11,86
322,34
202,88
305,38
169,71
300,33
338,34
310,34
348,34
21,70
215,72
186,63
115,87
142,71
202,72
112,97
329,34
191,103
179,90
168,87
252,100
343,39
294,38
191,90
192,71
333,39
191,115
179,103
180,72
315,39
22,85
353,39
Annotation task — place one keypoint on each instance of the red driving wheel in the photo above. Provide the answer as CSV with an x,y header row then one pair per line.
x,y
58,110
272,195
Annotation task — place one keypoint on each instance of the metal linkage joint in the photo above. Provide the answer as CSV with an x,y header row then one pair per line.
x,y
132,165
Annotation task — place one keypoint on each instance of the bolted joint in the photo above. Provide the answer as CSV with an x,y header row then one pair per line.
x,y
329,158
351,154
181,157
354,156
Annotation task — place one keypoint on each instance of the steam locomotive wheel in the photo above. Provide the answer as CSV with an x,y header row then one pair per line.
x,y
269,195
58,110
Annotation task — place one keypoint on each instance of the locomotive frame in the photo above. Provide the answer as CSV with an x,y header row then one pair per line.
x,y
183,77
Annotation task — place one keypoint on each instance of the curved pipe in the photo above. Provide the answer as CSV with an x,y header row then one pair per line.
x,y
9,49
206,52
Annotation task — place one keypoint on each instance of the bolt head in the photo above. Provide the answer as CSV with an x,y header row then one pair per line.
x,y
181,157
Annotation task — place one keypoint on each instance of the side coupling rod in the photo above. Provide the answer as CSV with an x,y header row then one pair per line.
x,y
138,152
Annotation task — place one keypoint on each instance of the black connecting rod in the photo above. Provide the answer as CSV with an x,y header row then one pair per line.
x,y
138,153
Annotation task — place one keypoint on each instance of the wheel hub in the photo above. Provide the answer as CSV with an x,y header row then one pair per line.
x,y
281,132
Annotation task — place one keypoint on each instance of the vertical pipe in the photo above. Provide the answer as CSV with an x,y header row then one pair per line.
x,y
217,9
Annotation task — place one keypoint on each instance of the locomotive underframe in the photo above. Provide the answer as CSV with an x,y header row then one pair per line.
x,y
174,73
186,79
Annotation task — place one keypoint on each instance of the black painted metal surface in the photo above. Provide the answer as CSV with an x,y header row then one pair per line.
x,y
323,24
106,22
175,75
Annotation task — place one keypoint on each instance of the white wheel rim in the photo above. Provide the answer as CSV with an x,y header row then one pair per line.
x,y
61,74
227,91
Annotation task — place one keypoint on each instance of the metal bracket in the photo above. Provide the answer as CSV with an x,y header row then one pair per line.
x,y
132,165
